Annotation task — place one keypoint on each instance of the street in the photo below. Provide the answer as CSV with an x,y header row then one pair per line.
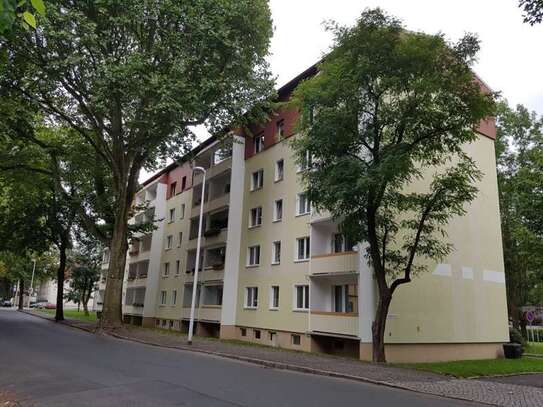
x,y
48,365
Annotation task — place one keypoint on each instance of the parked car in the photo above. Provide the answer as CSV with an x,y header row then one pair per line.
x,y
38,304
49,306
6,303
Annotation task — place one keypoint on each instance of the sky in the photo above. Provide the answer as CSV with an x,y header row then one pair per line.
x,y
510,60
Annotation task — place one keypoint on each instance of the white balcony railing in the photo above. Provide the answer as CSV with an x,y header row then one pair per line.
x,y
334,323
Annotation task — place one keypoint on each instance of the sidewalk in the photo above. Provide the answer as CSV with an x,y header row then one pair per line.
x,y
482,391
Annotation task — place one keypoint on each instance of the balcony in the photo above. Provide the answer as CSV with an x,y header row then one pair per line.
x,y
204,313
334,263
339,323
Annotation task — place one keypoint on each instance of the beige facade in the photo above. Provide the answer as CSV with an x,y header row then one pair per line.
x,y
275,272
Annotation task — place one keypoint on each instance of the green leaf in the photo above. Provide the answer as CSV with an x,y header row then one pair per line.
x,y
38,6
29,19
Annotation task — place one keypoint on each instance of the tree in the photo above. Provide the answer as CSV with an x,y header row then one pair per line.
x,y
84,271
389,108
131,78
519,156
533,11
22,10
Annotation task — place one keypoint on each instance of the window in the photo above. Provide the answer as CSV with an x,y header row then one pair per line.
x,y
257,333
177,267
280,129
296,340
253,256
166,269
171,323
213,295
276,252
163,297
341,244
243,331
180,239
259,143
274,297
302,248
172,215
251,297
182,214
303,206
302,297
278,210
345,298
256,217
279,170
222,154
163,321
173,187
183,183
305,163
169,241
257,180
174,297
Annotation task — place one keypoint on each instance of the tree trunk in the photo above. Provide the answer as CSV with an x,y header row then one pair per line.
x,y
112,304
21,294
59,312
85,306
378,327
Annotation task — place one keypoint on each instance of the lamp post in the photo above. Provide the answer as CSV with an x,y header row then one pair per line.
x,y
31,282
198,244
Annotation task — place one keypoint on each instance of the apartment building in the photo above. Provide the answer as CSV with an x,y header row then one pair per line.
x,y
275,272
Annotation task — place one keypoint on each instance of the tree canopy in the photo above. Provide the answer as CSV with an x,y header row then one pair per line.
x,y
388,108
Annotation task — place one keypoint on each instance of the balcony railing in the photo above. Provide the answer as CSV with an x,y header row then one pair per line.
x,y
345,262
341,323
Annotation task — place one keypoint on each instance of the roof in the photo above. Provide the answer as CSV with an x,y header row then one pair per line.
x,y
282,91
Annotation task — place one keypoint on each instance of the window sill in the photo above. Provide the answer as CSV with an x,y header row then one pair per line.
x,y
302,214
300,310
254,226
276,263
256,189
277,220
167,248
250,308
301,260
274,309
251,266
278,180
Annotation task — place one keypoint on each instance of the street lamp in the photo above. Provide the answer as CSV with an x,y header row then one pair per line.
x,y
195,282
31,281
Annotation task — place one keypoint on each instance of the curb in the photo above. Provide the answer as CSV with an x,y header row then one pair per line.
x,y
266,363
64,322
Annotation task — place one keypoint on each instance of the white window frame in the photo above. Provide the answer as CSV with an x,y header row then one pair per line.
x,y
174,297
280,124
180,236
182,215
259,184
307,206
166,269
257,250
305,297
172,215
259,143
163,297
306,163
255,217
279,175
251,297
177,267
275,252
307,249
277,218
272,304
169,241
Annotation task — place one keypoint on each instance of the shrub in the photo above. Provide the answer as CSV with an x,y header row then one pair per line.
x,y
516,337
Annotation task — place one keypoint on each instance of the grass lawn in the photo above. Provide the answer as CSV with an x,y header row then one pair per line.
x,y
73,314
473,368
534,347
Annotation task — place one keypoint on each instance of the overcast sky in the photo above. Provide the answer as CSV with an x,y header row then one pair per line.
x,y
510,60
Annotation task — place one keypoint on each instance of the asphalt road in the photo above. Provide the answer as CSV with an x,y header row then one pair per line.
x,y
49,365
